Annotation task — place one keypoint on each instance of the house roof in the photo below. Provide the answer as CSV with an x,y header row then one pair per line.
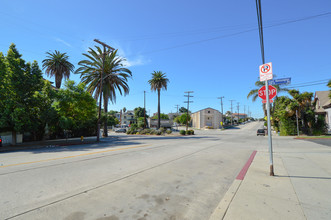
x,y
205,109
324,100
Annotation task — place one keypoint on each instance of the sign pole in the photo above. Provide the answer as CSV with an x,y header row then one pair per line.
x,y
269,129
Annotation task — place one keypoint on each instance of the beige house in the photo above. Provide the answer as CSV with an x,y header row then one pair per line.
x,y
207,117
323,106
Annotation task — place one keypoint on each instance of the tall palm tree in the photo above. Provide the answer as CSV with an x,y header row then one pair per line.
x,y
158,82
115,76
254,93
57,65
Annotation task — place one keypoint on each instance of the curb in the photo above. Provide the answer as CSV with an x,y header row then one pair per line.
x,y
221,209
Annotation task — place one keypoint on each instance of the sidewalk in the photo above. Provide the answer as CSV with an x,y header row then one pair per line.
x,y
300,189
48,144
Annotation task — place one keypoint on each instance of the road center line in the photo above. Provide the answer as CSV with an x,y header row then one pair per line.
x,y
79,155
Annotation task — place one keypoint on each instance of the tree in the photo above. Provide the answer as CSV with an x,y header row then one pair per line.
x,y
158,82
77,109
57,64
20,82
163,116
329,85
115,76
254,93
139,112
183,110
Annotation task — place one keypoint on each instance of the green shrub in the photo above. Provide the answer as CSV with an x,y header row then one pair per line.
x,y
192,132
169,131
188,132
138,132
182,132
152,132
158,132
162,130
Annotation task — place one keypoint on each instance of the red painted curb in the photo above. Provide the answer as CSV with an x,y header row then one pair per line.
x,y
243,171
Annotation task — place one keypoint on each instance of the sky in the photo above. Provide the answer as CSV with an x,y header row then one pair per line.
x,y
210,47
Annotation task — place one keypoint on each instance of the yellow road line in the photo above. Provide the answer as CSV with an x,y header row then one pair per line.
x,y
79,155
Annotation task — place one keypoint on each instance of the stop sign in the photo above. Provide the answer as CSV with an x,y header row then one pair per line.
x,y
272,92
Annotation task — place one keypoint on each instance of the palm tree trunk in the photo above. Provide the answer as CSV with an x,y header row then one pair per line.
x,y
58,80
158,110
105,129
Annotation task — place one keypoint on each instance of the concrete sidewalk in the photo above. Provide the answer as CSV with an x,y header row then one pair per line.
x,y
300,189
50,144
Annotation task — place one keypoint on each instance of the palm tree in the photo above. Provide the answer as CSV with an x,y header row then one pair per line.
x,y
254,93
115,76
57,65
158,82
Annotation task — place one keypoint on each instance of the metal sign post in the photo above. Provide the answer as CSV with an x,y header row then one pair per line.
x,y
265,75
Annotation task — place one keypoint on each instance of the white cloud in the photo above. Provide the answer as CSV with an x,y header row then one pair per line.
x,y
62,41
135,60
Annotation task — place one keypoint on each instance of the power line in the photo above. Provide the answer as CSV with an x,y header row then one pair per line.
x,y
237,33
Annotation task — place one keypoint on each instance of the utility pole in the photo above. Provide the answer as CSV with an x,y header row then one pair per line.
x,y
232,112
177,106
101,84
244,113
238,111
260,27
188,105
296,113
144,109
221,98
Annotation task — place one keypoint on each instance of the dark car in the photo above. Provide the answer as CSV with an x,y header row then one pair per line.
x,y
120,130
260,132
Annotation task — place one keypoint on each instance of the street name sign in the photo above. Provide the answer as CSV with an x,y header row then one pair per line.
x,y
265,72
272,92
280,81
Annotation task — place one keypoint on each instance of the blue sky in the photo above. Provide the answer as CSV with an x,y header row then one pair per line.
x,y
210,47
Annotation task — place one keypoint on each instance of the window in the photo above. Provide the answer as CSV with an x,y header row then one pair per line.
x,y
124,117
208,113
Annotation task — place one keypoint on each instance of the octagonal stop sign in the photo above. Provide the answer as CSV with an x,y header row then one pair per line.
x,y
272,92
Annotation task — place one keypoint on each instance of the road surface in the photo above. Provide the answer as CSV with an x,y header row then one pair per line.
x,y
127,177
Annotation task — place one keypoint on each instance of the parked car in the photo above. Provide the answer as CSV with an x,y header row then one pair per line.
x,y
260,132
120,130
0,141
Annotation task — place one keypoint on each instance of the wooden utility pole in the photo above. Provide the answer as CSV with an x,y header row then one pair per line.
x,y
101,83
231,112
221,98
188,105
238,111
144,109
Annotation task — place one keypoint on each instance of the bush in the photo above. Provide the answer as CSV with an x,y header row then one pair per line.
x,y
182,132
162,130
192,132
158,132
168,131
188,132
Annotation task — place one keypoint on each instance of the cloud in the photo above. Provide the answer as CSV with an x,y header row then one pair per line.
x,y
134,60
137,61
62,41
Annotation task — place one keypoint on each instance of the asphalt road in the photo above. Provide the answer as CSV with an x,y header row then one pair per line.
x,y
126,177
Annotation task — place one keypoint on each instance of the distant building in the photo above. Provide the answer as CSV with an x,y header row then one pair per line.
x,y
323,106
207,117
240,116
125,118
